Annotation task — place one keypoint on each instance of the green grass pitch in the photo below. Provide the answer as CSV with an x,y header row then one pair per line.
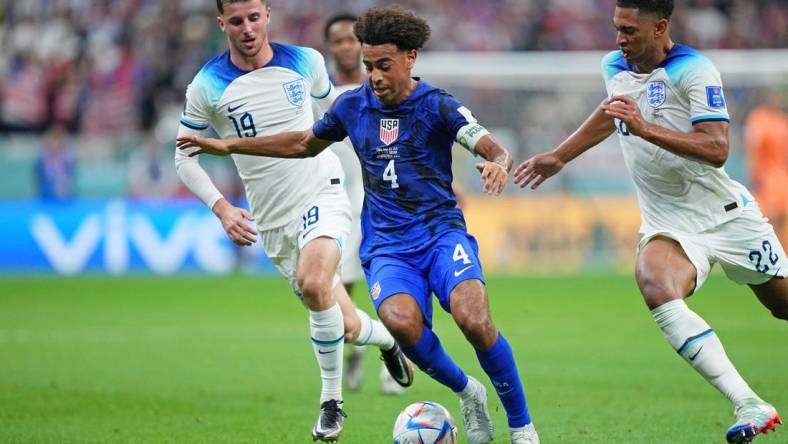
x,y
228,360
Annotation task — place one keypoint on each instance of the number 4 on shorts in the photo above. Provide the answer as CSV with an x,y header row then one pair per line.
x,y
461,255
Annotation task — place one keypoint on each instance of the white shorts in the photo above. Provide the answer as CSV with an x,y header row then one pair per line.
x,y
328,216
746,248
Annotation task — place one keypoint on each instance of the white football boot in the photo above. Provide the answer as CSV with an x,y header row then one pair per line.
x,y
752,418
526,435
475,416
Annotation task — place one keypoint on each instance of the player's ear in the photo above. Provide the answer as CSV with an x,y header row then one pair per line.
x,y
220,21
661,27
410,58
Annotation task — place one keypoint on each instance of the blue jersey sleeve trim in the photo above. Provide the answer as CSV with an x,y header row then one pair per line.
x,y
326,94
711,118
193,125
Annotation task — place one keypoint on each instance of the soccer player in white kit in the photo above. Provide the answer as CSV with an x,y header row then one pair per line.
x,y
298,205
666,101
345,50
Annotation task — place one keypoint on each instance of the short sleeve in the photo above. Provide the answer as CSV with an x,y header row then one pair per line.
x,y
330,127
705,93
321,82
196,112
454,114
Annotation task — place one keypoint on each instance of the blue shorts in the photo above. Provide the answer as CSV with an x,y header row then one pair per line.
x,y
450,258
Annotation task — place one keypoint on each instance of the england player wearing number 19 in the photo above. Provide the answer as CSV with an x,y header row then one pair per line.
x,y
299,206
414,238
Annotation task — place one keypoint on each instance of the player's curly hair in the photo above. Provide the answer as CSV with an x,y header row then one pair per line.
x,y
393,24
662,8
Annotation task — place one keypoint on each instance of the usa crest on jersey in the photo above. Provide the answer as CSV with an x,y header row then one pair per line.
x,y
389,130
295,92
655,94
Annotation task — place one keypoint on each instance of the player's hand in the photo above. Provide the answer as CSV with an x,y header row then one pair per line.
x,y
234,223
494,177
537,169
217,147
626,110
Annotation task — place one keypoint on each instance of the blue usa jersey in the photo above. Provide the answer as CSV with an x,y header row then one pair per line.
x,y
405,155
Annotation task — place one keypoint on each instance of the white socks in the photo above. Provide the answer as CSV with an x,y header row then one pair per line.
x,y
373,333
328,339
697,343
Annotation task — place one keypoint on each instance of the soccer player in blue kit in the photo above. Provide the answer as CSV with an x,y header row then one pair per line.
x,y
414,238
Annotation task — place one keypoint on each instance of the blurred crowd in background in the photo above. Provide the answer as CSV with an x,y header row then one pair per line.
x,y
115,71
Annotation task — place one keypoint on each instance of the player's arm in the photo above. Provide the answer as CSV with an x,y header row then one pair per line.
x,y
293,144
195,122
707,143
475,138
233,219
597,127
495,169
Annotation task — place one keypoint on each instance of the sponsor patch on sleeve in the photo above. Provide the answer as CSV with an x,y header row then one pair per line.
x,y
714,97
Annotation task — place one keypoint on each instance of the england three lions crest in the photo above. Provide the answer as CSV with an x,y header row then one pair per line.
x,y
295,92
389,130
656,94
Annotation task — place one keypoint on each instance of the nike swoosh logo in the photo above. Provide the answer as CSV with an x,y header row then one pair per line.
x,y
231,109
325,352
457,273
692,358
404,373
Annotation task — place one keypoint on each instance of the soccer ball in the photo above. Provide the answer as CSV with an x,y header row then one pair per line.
x,y
425,423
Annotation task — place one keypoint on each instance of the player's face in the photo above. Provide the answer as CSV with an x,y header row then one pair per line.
x,y
344,46
246,26
388,71
636,34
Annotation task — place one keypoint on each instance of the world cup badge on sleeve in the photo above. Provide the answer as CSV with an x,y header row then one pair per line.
x,y
389,130
295,92
656,94
375,291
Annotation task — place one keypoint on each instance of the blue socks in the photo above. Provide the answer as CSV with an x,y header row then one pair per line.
x,y
498,363
431,358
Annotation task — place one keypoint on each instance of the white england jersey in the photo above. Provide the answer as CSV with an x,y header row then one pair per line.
x,y
675,192
270,100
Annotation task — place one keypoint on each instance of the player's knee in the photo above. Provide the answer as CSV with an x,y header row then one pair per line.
x,y
406,328
656,292
315,288
478,330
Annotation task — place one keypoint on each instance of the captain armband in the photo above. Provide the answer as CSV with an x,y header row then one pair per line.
x,y
469,135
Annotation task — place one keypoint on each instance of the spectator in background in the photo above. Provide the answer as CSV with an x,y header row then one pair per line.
x,y
55,166
766,143
23,104
150,170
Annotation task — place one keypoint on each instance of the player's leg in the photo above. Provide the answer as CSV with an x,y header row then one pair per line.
x,y
316,278
749,252
458,281
666,276
471,312
403,317
367,331
774,296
